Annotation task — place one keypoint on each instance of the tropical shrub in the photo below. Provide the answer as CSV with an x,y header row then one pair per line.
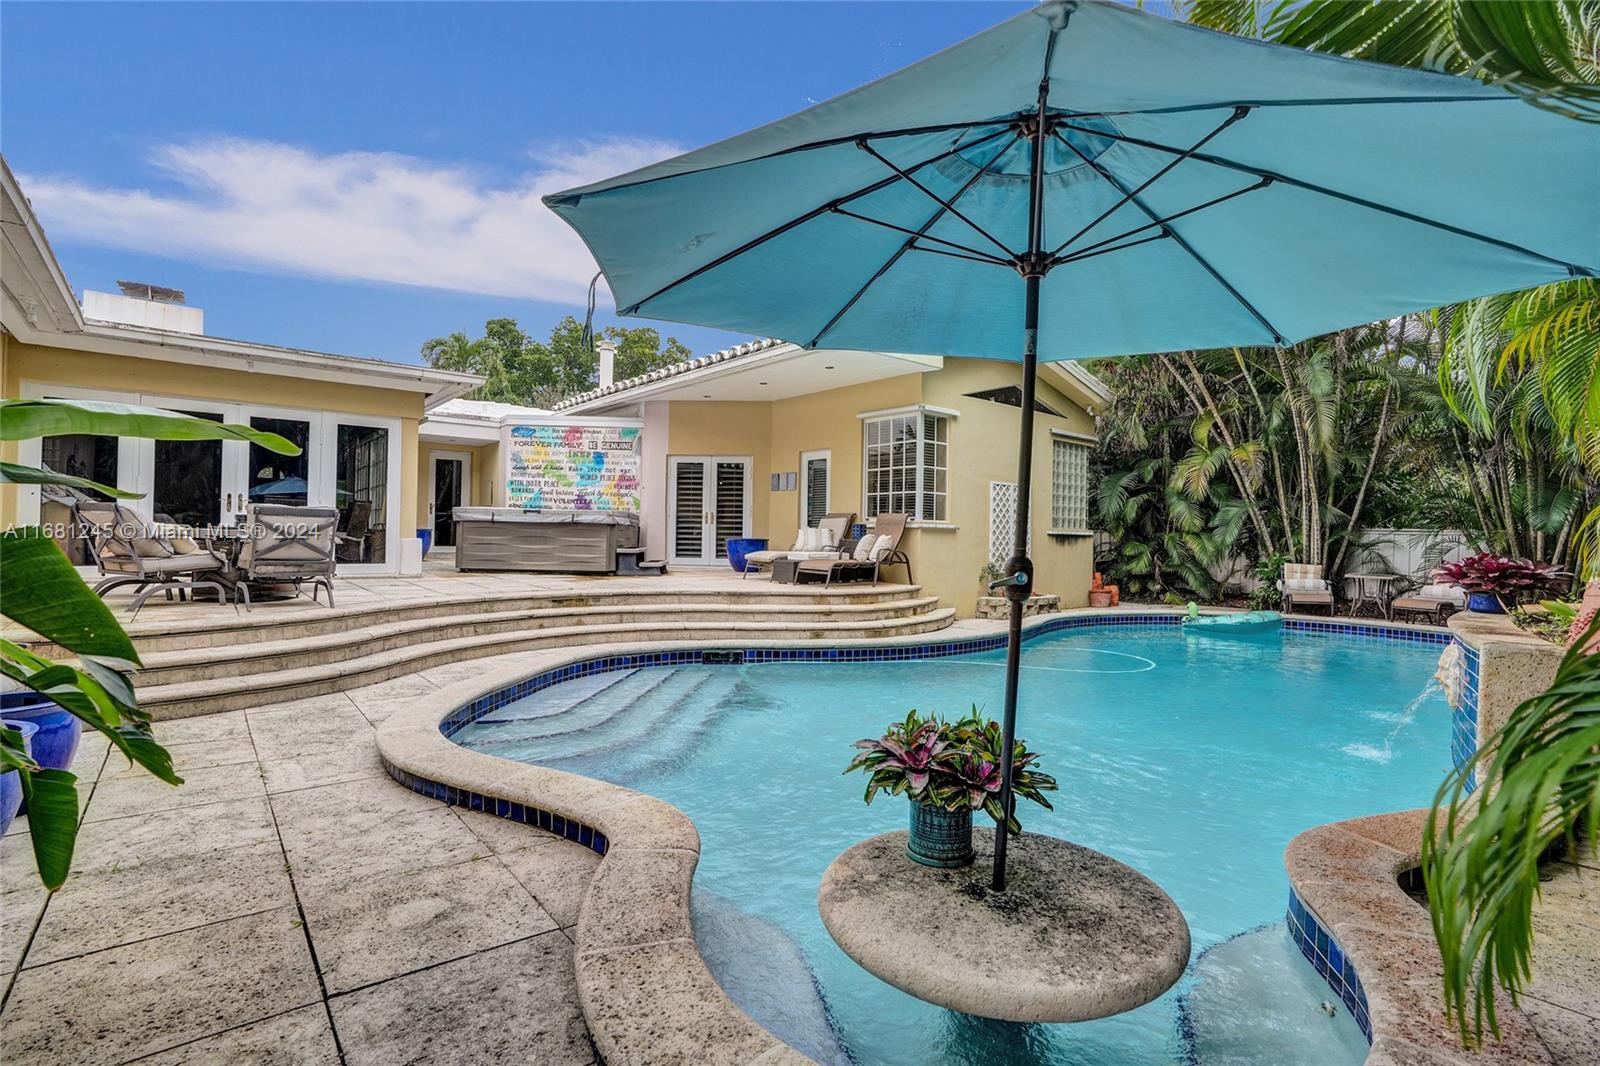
x,y
1508,580
1536,782
43,593
1265,596
950,765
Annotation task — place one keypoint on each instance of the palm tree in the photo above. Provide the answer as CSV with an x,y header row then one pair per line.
x,y
482,356
1540,775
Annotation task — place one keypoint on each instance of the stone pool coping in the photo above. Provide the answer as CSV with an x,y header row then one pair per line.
x,y
1374,945
645,991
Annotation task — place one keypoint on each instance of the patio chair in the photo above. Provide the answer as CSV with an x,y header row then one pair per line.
x,y
288,545
1433,600
354,525
1302,585
130,551
828,534
878,549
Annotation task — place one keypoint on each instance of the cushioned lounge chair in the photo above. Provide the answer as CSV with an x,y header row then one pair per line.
x,y
1432,600
878,549
288,545
129,551
835,527
1303,585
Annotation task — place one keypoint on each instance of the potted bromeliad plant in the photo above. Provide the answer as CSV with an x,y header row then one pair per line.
x,y
947,770
1496,583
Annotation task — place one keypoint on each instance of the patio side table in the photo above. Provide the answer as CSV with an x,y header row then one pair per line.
x,y
785,571
1374,589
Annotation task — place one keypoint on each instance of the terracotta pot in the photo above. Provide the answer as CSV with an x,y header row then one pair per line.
x,y
1099,599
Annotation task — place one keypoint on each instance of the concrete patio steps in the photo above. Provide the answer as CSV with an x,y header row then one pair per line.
x,y
181,630
279,661
266,655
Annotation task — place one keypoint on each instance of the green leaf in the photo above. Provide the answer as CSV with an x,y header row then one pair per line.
x,y
25,419
52,797
44,593
15,474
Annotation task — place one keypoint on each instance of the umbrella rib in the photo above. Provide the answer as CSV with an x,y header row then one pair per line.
x,y
1238,113
1083,253
821,209
1091,253
1335,101
911,242
987,259
1111,179
936,198
972,253
1260,172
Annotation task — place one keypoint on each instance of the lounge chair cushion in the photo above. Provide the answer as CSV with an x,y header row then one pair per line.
x,y
864,546
881,546
172,564
1302,577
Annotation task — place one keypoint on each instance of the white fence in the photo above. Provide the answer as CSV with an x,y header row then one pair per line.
x,y
1411,553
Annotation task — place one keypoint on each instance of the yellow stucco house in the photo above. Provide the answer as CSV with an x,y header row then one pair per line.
x,y
357,420
763,438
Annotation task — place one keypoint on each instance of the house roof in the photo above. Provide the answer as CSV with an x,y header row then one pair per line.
x,y
775,357
688,366
39,307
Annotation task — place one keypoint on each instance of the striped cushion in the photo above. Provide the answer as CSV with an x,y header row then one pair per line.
x,y
1303,577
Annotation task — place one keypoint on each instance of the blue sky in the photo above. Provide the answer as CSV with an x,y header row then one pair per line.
x,y
359,177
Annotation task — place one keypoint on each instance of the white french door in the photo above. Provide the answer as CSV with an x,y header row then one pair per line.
x,y
708,504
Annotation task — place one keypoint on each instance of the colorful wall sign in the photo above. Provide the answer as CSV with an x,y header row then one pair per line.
x,y
572,467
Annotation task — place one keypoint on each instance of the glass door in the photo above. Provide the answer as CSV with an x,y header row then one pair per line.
x,y
814,486
196,483
451,475
708,504
360,460
688,513
283,479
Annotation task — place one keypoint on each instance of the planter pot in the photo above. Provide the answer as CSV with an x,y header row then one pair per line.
x,y
940,837
56,741
1099,599
11,781
426,536
739,547
1484,603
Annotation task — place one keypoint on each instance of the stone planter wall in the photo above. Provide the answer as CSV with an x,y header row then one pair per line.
x,y
1501,667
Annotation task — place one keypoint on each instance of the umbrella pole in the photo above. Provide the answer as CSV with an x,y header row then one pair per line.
x,y
1019,579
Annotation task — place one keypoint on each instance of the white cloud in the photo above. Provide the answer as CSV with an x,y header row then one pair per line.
x,y
369,216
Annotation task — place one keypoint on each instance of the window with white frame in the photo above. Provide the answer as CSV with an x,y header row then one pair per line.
x,y
1069,485
907,464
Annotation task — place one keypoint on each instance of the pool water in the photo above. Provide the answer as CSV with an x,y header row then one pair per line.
x,y
1194,759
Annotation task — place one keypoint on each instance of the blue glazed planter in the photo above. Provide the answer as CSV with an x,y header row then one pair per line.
x,y
11,781
740,547
939,837
1484,603
426,536
59,730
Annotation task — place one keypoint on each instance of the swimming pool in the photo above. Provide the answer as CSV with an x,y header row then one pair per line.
x,y
1193,759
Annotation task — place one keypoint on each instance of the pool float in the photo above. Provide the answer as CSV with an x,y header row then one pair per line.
x,y
1224,625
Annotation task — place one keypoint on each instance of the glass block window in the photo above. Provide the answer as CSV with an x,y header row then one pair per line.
x,y
908,465
1069,485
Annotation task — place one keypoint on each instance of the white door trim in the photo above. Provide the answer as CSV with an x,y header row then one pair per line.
x,y
708,516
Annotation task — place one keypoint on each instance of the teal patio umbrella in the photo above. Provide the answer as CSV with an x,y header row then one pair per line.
x,y
1089,180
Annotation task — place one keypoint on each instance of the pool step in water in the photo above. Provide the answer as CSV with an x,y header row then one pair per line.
x,y
624,709
558,699
671,734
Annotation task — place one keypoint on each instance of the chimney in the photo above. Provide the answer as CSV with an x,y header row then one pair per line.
x,y
608,361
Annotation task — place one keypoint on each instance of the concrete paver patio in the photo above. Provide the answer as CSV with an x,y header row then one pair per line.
x,y
290,903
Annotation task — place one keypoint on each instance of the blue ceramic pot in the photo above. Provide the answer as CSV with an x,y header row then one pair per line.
x,y
739,547
426,536
940,837
57,739
1484,603
11,780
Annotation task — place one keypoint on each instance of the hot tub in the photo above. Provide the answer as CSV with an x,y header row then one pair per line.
x,y
505,538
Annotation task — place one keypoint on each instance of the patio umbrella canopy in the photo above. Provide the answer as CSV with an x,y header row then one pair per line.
x,y
1088,180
